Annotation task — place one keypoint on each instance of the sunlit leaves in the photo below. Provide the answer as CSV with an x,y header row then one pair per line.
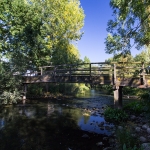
x,y
144,56
31,30
65,53
35,33
131,22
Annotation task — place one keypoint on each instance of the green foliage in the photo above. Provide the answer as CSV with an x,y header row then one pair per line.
x,y
8,82
34,89
75,88
126,140
65,53
123,29
145,95
144,56
34,33
56,89
134,107
121,58
108,89
31,31
10,97
81,89
115,115
129,90
86,60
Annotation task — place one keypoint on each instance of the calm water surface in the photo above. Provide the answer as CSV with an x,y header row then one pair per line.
x,y
56,124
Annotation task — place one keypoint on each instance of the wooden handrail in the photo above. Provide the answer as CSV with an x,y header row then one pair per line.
x,y
112,68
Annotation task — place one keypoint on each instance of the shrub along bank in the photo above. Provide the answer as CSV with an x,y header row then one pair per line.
x,y
50,90
126,121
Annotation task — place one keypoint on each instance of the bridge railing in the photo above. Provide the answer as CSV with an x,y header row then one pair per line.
x,y
115,73
137,72
89,69
121,69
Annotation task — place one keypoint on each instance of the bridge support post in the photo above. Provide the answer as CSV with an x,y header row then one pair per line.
x,y
118,97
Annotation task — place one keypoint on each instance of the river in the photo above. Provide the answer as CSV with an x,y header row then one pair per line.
x,y
76,124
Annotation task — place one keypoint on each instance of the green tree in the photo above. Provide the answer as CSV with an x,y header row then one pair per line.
x,y
32,30
35,32
144,56
86,60
120,58
7,79
131,22
65,53
9,84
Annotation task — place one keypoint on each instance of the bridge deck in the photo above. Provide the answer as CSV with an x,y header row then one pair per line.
x,y
118,74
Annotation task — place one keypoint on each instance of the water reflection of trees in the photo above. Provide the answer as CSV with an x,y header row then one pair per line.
x,y
24,132
73,113
30,128
86,119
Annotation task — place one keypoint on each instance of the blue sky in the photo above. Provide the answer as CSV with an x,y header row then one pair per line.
x,y
97,14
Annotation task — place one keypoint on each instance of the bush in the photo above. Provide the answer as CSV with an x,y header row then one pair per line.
x,y
145,95
34,89
107,88
115,115
10,97
134,107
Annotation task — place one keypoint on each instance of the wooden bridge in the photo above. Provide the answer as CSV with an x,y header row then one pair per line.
x,y
118,74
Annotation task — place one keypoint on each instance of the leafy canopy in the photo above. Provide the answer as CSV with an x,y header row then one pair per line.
x,y
65,53
131,25
144,56
32,30
34,33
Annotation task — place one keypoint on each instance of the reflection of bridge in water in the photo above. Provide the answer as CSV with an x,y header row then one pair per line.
x,y
118,74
